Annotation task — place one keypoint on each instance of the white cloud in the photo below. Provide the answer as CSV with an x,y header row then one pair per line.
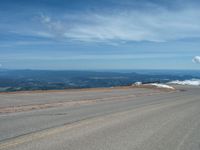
x,y
55,27
68,56
45,19
161,26
196,59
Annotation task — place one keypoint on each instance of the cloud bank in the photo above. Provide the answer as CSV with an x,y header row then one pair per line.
x,y
105,20
159,26
196,59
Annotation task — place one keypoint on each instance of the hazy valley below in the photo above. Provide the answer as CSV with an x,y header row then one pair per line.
x,y
26,80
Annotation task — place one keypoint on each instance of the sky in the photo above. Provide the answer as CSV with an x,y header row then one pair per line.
x,y
100,34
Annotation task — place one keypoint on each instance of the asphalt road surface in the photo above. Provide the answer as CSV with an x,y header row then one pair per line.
x,y
101,119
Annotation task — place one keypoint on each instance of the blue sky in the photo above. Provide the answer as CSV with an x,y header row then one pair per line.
x,y
99,34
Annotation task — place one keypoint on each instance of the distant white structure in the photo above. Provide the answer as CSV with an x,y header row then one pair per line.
x,y
196,59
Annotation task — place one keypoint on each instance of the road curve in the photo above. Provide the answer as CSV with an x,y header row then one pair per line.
x,y
114,119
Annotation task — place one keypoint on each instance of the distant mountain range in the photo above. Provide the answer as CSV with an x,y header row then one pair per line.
x,y
20,80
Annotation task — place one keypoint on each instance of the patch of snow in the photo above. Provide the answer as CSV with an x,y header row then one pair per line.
x,y
137,83
195,82
162,86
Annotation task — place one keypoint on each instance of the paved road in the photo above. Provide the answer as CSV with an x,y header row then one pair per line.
x,y
104,119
